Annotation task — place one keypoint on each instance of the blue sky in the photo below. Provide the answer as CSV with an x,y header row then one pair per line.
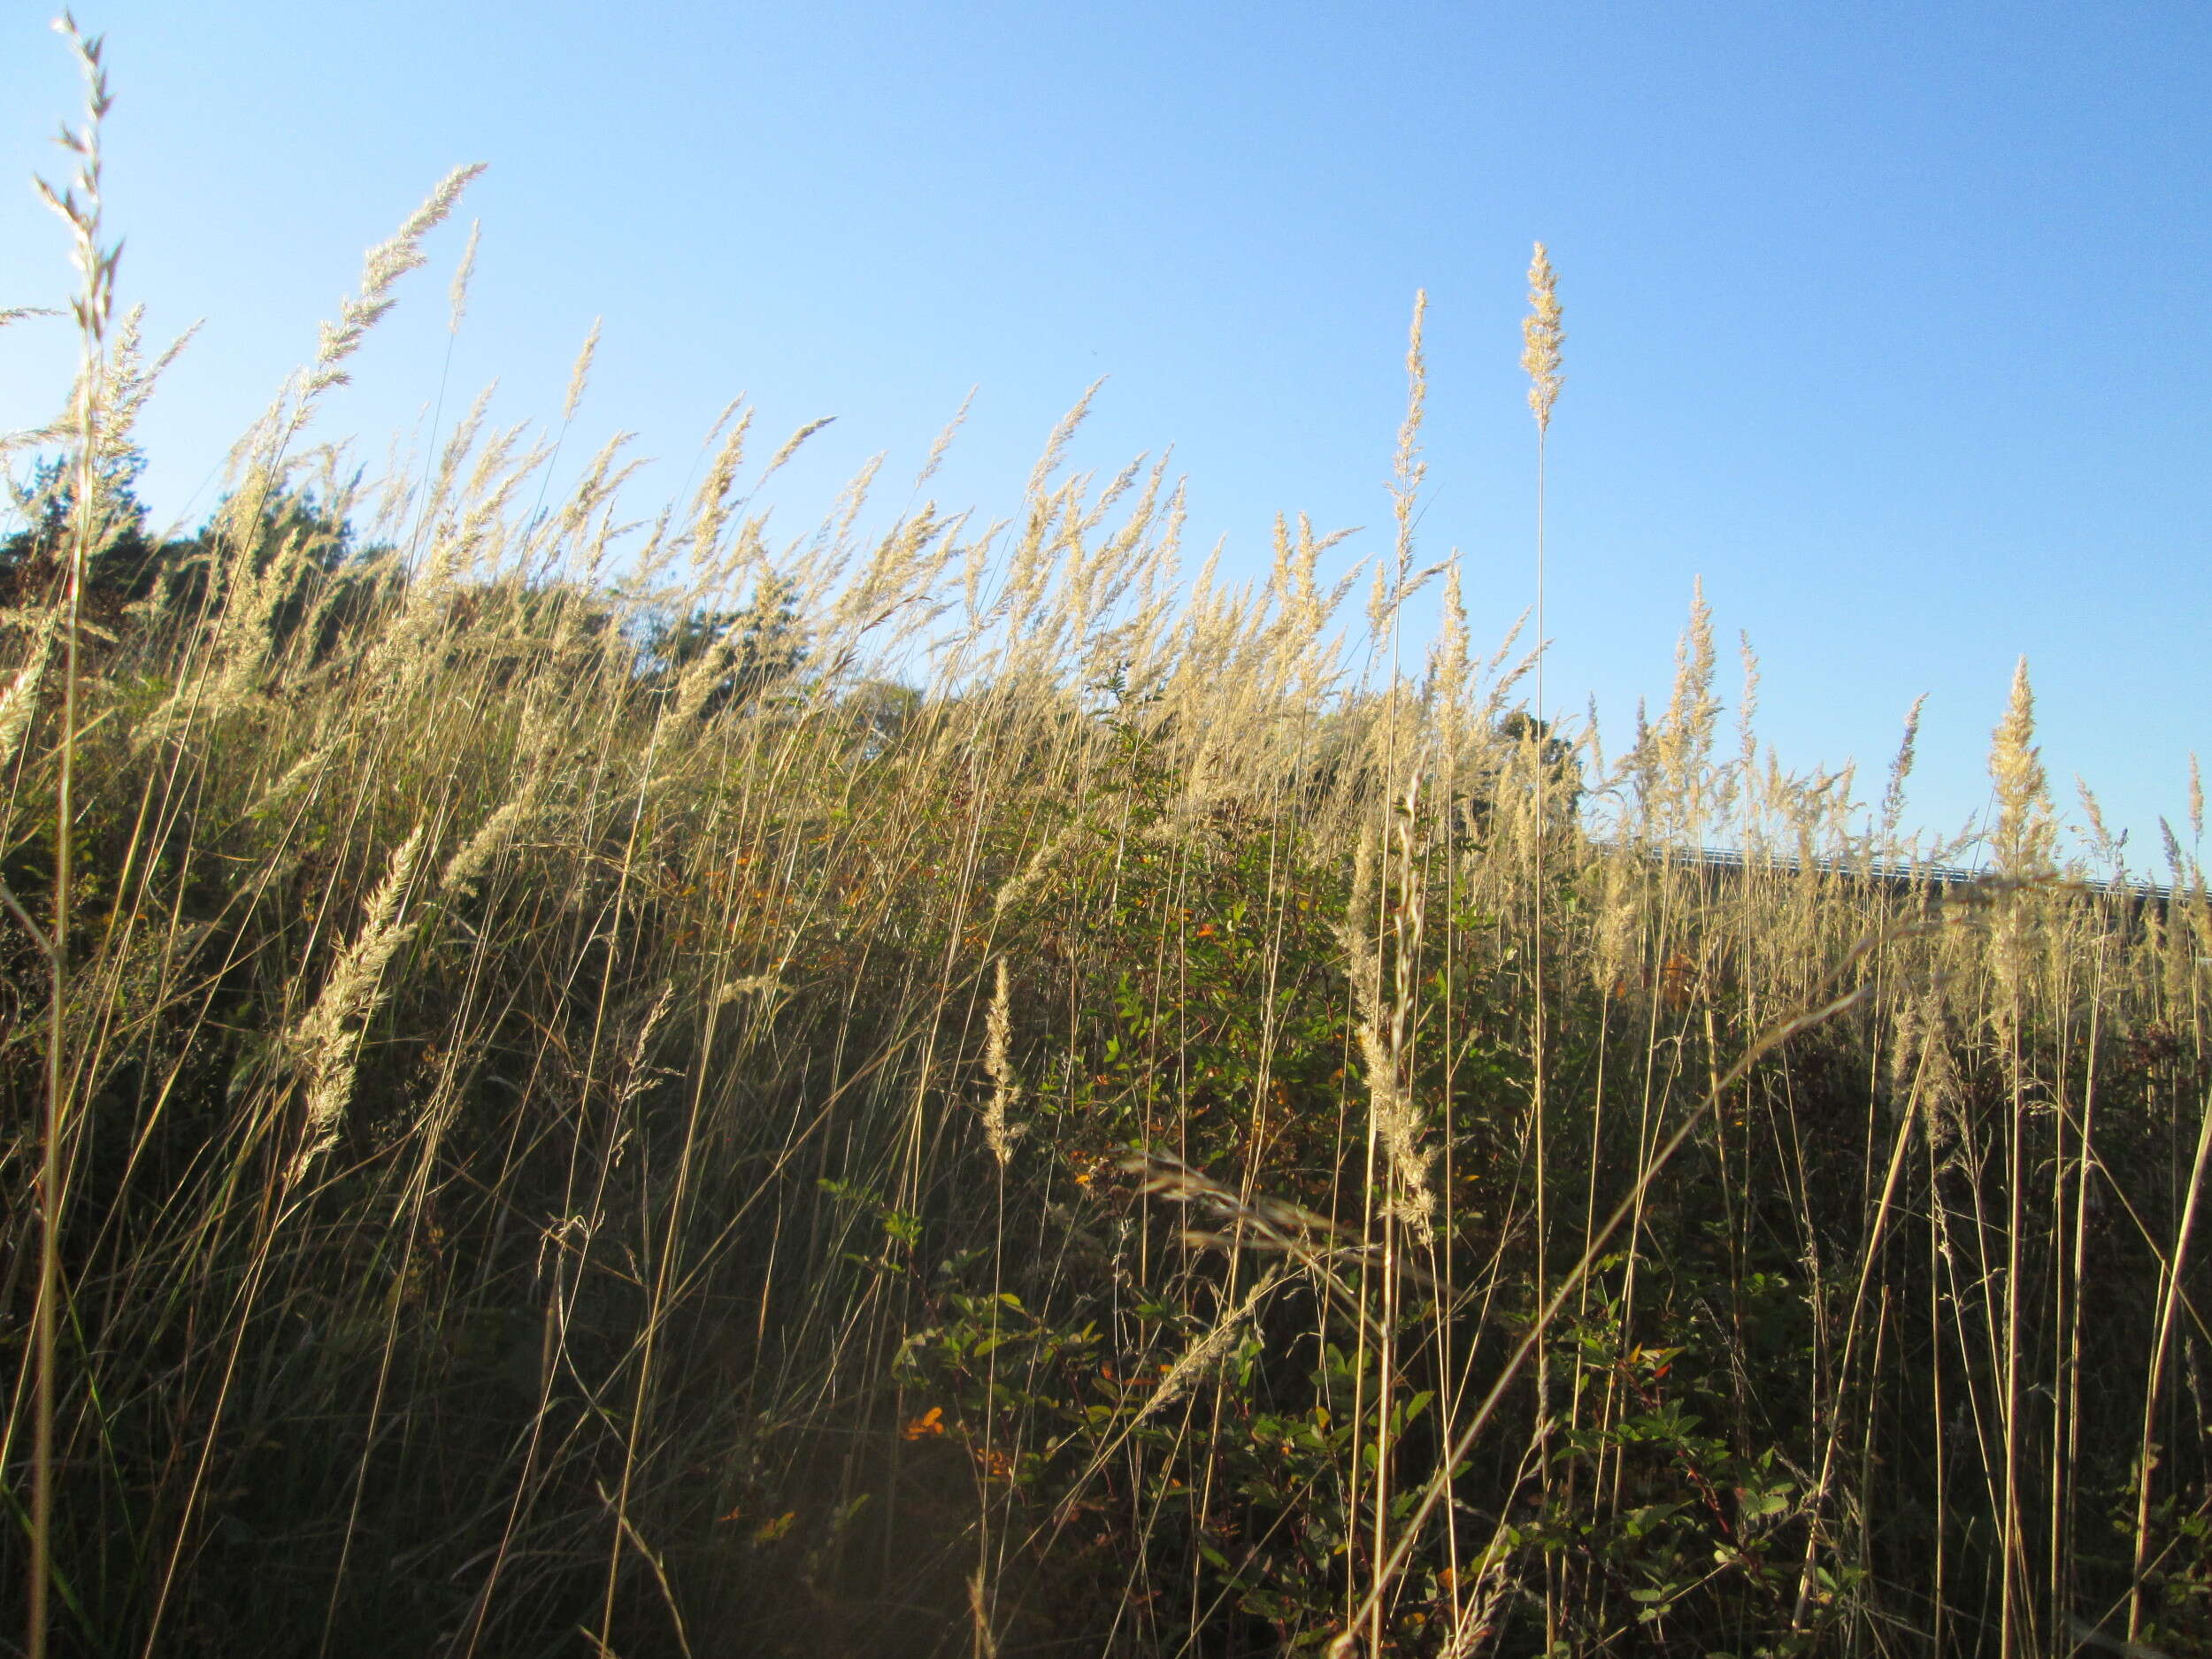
x,y
1891,321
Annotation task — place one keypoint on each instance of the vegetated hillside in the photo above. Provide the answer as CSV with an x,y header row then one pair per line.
x,y
945,1095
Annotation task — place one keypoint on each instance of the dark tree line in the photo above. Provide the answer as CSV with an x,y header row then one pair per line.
x,y
126,566
747,653
130,565
726,657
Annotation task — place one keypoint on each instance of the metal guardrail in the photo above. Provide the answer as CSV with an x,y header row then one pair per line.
x,y
1893,874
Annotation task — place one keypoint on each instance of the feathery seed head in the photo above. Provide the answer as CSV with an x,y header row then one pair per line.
x,y
1542,338
327,1039
580,376
79,204
2015,766
1900,768
791,445
998,1064
462,870
1408,469
19,701
1749,706
458,294
2099,834
384,265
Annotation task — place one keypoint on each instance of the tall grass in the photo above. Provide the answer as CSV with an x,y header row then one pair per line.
x,y
1034,1125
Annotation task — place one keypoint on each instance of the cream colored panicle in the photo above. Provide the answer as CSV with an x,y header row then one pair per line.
x,y
457,296
2025,829
998,1134
327,1039
1541,337
579,374
386,264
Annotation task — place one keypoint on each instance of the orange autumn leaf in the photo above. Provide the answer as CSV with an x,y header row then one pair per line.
x,y
774,1530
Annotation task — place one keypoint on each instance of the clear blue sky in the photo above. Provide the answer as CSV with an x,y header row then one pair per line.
x,y
1891,320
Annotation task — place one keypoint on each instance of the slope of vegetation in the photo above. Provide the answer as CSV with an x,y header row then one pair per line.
x,y
943,1093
